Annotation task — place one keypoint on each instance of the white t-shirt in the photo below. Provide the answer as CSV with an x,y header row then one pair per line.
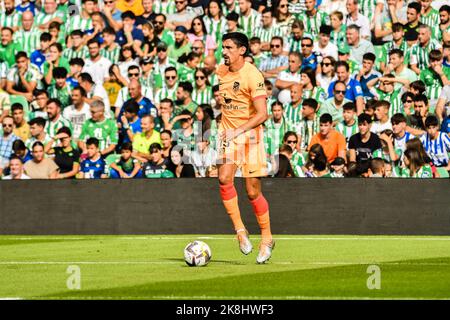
x,y
77,118
22,177
330,50
99,91
377,126
98,70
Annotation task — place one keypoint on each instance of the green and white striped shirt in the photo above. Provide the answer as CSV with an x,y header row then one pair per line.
x,y
339,37
215,28
166,93
226,11
313,23
346,130
394,98
317,93
274,134
367,8
202,96
419,54
29,40
250,22
52,127
42,18
165,7
294,45
78,23
294,115
70,53
431,19
12,20
307,129
433,82
112,55
266,35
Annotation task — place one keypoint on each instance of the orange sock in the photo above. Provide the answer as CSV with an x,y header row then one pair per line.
x,y
230,201
261,210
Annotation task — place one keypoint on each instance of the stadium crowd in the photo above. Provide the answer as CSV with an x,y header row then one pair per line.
x,y
128,89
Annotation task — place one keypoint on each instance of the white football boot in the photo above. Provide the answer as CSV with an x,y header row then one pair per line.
x,y
244,242
265,252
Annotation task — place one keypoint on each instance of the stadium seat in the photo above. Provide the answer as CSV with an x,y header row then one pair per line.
x,y
442,172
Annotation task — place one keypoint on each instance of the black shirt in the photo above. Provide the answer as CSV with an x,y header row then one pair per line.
x,y
364,150
66,159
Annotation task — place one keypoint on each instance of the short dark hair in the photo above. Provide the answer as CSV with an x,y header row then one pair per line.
x,y
398,118
397,27
93,141
131,106
65,130
167,100
37,144
126,146
59,73
55,101
326,118
418,85
154,146
364,117
239,39
170,69
186,86
76,61
39,121
369,56
84,76
18,145
46,37
128,14
92,41
349,106
21,54
77,32
431,120
416,6
166,131
421,98
312,103
82,91
16,106
109,30
342,64
397,52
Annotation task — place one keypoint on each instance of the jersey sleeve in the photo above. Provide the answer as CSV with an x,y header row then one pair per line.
x,y
256,84
114,133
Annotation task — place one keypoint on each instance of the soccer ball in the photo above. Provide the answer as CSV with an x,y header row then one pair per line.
x,y
197,254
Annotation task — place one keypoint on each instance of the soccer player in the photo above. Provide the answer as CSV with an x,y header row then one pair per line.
x,y
243,101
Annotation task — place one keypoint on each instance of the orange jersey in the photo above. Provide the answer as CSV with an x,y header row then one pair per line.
x,y
237,91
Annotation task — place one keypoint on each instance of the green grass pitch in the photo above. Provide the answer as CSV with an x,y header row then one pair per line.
x,y
152,267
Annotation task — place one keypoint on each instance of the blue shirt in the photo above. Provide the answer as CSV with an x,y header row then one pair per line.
x,y
135,127
363,82
136,33
353,91
310,62
29,7
145,107
445,127
6,145
72,82
37,58
95,168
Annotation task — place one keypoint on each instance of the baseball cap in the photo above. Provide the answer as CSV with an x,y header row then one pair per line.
x,y
162,45
181,29
147,60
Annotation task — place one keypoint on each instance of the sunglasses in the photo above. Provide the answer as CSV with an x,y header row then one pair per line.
x,y
325,64
283,5
107,2
306,45
200,78
275,46
171,77
133,75
339,91
161,49
159,22
179,2
292,141
7,125
197,48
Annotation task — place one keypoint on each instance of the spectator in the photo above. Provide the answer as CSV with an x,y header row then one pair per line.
x,y
203,158
310,59
184,98
334,105
367,73
126,166
331,141
157,167
16,170
382,116
8,48
182,45
65,156
55,119
182,169
21,127
23,78
287,78
358,46
324,46
310,88
78,112
105,130
436,143
348,126
6,143
327,72
94,92
143,140
40,167
21,151
362,144
354,17
284,169
54,60
276,61
96,65
94,167
415,166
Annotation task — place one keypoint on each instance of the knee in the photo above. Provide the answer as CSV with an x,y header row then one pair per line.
x,y
225,179
253,194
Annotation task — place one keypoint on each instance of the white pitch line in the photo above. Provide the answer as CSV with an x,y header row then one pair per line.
x,y
325,263
235,298
368,238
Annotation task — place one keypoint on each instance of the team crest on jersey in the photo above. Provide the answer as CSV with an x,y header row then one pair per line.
x,y
236,86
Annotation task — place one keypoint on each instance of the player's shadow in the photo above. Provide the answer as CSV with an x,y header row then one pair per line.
x,y
215,261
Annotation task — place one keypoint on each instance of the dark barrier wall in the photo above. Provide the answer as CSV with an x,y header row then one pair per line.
x,y
170,206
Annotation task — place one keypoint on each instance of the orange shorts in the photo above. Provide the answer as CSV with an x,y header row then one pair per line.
x,y
246,151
